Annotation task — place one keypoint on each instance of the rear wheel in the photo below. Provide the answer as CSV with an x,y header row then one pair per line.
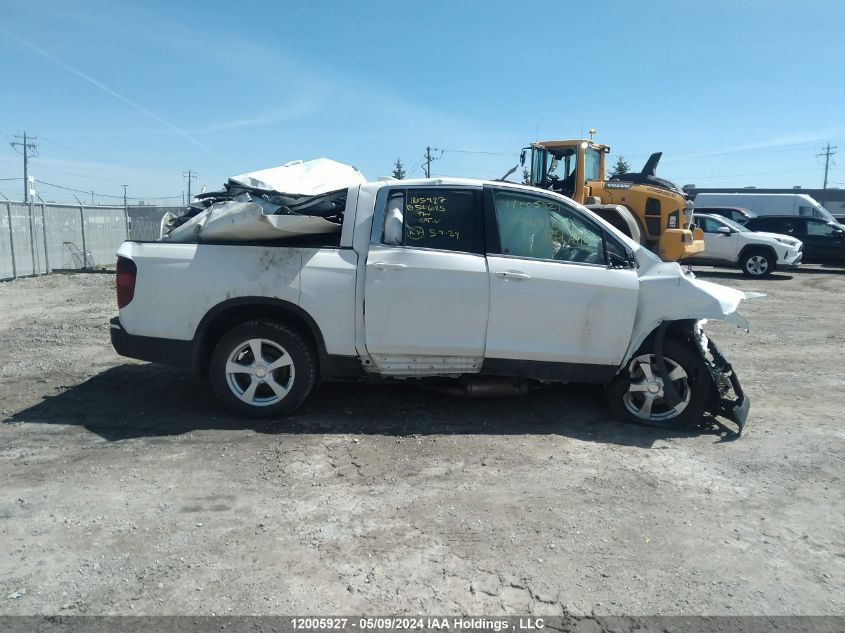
x,y
757,264
262,369
638,394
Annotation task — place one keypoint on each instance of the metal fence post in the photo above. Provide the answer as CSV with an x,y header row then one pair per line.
x,y
84,248
32,238
12,240
44,235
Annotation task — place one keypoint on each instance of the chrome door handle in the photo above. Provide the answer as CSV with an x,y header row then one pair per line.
x,y
513,274
387,266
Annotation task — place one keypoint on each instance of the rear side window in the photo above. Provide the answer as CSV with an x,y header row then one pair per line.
x,y
775,226
443,219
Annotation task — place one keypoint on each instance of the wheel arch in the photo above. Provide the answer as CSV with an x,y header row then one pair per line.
x,y
749,248
680,330
227,314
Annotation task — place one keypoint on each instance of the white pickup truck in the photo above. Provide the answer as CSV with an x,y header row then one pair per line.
x,y
496,284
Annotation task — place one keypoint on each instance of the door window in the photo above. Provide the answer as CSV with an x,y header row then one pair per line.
x,y
443,219
820,229
777,226
541,228
708,225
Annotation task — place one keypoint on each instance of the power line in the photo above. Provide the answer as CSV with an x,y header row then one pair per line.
x,y
468,151
103,195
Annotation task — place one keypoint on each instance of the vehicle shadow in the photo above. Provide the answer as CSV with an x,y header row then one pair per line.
x,y
820,270
736,274
147,400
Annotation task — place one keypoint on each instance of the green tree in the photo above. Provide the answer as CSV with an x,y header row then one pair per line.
x,y
526,177
620,167
398,169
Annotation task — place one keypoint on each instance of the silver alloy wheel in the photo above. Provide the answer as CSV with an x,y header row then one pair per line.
x,y
757,265
645,396
260,372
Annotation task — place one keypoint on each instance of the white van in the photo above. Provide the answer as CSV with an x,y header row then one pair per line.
x,y
767,203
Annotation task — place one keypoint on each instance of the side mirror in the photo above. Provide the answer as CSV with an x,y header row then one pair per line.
x,y
724,230
522,158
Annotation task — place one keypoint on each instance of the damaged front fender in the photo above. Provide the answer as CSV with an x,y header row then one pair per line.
x,y
667,294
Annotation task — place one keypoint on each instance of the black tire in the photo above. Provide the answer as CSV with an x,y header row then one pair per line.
x,y
629,404
278,390
757,264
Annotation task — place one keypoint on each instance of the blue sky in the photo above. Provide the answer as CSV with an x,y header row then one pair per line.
x,y
733,93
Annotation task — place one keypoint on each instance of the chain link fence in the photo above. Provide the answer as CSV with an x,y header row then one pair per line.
x,y
36,239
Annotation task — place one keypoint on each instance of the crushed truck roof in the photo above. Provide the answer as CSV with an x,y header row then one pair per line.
x,y
294,199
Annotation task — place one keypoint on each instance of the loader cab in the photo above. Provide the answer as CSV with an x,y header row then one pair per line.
x,y
566,166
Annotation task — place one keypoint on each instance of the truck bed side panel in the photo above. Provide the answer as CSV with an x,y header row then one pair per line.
x,y
178,284
328,295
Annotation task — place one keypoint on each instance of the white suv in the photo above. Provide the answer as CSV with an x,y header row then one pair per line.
x,y
756,254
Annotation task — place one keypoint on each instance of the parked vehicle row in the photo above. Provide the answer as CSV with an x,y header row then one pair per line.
x,y
774,231
756,254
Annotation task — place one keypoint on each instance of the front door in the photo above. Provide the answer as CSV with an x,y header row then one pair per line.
x,y
717,246
426,294
822,241
553,296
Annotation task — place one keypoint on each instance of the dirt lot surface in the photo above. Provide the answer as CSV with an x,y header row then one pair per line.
x,y
126,490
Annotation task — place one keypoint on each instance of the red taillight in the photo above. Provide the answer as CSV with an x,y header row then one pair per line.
x,y
126,273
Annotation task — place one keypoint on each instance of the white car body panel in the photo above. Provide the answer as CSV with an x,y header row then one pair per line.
x,y
178,284
425,302
328,295
559,312
668,294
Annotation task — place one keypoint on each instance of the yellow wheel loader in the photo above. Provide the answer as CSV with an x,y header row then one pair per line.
x,y
651,210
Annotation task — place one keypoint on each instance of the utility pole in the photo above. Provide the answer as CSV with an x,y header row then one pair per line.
x,y
125,212
429,158
190,175
827,153
27,143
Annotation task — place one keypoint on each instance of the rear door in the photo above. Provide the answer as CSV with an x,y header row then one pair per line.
x,y
426,291
553,297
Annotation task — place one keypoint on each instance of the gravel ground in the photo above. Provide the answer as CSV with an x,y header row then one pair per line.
x,y
126,490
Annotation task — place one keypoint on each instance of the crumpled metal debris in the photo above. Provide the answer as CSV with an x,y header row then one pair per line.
x,y
298,198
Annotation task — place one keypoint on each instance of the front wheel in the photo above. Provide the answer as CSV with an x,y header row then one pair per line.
x,y
262,369
638,393
757,264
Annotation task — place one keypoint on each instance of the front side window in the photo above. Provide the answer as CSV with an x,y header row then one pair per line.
x,y
822,229
591,164
443,219
541,228
708,225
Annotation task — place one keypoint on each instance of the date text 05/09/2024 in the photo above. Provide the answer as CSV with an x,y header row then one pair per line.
x,y
418,623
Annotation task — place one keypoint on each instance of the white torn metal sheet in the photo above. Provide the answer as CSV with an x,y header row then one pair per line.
x,y
232,221
303,178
